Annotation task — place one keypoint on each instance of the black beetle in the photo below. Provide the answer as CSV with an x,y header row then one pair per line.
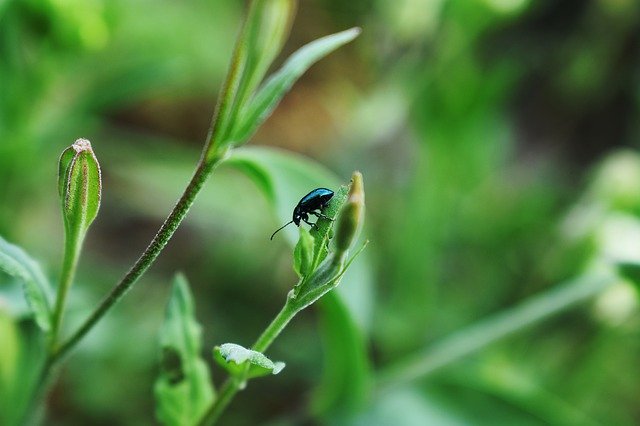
x,y
312,203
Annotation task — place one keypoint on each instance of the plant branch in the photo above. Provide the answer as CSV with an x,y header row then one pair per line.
x,y
234,384
69,265
494,328
156,246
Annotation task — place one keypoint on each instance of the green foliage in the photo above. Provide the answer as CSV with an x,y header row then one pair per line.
x,y
20,358
489,184
267,98
303,253
15,262
346,375
245,363
266,30
243,107
183,389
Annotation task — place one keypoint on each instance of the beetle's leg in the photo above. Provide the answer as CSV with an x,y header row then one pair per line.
x,y
306,220
322,215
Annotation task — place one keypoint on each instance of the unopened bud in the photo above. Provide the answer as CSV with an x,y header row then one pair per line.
x,y
79,186
351,216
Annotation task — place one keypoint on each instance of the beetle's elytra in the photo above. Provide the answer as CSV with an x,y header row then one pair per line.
x,y
312,203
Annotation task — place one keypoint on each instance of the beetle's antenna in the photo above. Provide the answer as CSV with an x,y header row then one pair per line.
x,y
280,229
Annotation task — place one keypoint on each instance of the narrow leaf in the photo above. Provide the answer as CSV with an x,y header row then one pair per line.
x,y
15,262
263,34
268,97
183,390
268,26
235,358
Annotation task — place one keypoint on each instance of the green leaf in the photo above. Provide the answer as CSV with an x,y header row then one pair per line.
x,y
346,367
254,113
263,35
284,177
235,359
15,262
303,253
411,406
183,390
21,358
268,26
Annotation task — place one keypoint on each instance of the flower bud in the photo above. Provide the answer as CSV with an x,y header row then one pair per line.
x,y
303,253
351,216
79,186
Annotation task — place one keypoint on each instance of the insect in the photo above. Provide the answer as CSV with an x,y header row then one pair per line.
x,y
312,203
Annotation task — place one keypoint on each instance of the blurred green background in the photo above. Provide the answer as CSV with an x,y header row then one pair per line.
x,y
498,141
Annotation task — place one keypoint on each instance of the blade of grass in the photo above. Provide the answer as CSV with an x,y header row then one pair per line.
x,y
503,324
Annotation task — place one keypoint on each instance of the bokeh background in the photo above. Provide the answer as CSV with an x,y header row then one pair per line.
x,y
498,140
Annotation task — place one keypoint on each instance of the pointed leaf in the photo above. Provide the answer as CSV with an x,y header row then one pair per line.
x,y
283,177
263,35
183,390
268,26
15,262
268,96
235,358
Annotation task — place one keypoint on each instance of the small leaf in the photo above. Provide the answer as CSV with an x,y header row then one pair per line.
x,y
234,359
269,95
183,390
303,253
15,262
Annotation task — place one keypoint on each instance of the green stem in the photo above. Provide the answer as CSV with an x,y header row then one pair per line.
x,y
228,390
286,314
158,243
72,246
494,328
234,384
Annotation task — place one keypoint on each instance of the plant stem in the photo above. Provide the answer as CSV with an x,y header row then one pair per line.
x,y
494,328
69,264
234,384
289,310
160,240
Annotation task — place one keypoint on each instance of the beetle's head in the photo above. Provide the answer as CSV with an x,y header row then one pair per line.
x,y
297,217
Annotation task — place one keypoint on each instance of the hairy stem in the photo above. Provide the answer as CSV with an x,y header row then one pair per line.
x,y
158,243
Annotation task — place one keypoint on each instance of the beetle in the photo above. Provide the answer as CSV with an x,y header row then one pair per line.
x,y
312,203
